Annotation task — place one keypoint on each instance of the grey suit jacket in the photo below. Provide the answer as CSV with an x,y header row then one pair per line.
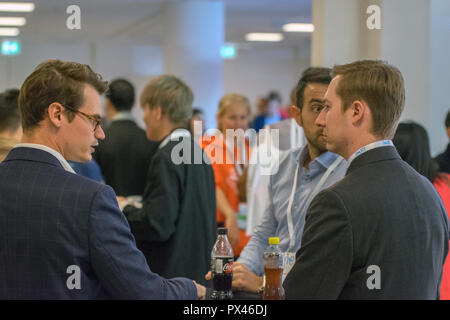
x,y
380,233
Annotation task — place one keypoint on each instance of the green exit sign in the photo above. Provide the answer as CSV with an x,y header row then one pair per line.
x,y
10,48
228,52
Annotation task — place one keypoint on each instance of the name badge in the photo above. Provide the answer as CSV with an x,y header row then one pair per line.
x,y
242,216
289,261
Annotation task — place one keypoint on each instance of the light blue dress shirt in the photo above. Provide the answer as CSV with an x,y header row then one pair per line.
x,y
274,220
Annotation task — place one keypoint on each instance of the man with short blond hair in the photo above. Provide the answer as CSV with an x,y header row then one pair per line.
x,y
381,232
175,228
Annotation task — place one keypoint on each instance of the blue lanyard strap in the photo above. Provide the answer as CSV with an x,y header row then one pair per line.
x,y
371,146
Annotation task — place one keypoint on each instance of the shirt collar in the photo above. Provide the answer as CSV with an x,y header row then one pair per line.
x,y
123,115
53,152
370,146
326,159
174,135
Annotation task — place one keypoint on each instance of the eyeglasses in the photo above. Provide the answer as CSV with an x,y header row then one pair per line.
x,y
95,119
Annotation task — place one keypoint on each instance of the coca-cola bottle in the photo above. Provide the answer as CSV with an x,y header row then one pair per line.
x,y
273,269
222,266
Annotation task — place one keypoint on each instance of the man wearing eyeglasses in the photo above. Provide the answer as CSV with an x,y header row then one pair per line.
x,y
63,236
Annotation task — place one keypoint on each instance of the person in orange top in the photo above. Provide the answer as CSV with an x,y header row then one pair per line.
x,y
412,143
229,151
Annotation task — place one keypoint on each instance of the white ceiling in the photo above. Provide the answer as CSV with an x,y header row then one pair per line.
x,y
141,20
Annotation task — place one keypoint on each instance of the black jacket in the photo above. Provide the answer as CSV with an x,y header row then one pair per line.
x,y
175,229
443,160
382,214
124,157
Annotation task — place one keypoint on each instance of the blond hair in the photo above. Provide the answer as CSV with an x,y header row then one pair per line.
x,y
173,96
228,100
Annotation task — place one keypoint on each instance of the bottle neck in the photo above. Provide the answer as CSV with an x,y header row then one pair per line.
x,y
222,237
274,247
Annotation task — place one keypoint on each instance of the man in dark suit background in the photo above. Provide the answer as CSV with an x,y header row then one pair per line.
x,y
62,236
381,232
125,154
176,226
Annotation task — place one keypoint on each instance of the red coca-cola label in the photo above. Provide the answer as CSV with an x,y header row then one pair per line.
x,y
222,265
228,267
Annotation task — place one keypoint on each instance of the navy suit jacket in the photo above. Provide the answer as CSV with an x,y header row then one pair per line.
x,y
62,236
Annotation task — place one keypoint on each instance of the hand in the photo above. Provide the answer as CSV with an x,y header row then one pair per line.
x,y
120,199
244,279
233,231
208,276
201,291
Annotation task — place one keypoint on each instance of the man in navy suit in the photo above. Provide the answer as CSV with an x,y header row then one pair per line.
x,y
63,236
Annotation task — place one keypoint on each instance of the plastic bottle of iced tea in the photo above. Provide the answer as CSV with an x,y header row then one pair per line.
x,y
222,258
273,269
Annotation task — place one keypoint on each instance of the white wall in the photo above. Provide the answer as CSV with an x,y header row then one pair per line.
x,y
14,69
257,71
422,57
439,73
253,73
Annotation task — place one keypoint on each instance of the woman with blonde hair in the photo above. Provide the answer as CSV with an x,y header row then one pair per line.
x,y
229,150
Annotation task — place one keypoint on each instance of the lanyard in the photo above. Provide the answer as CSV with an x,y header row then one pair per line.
x,y
177,133
297,136
294,135
371,146
311,194
230,152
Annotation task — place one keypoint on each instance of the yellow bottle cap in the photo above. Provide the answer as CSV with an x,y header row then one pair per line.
x,y
274,240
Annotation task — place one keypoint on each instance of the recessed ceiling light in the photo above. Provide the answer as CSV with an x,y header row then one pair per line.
x,y
12,21
9,32
298,27
271,37
16,6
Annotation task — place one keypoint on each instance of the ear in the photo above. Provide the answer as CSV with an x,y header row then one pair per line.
x,y
55,114
448,132
358,111
158,113
296,113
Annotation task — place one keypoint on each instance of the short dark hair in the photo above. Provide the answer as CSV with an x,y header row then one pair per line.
x,y
55,81
273,95
9,111
121,94
196,111
311,75
447,120
413,145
